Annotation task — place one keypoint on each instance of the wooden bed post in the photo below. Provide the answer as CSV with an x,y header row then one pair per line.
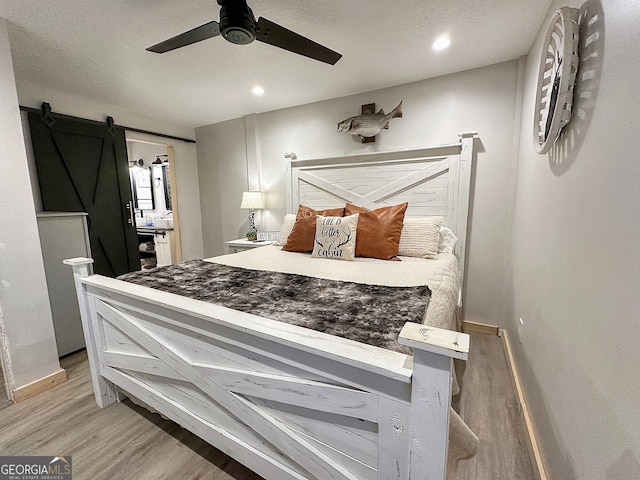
x,y
464,194
433,352
105,391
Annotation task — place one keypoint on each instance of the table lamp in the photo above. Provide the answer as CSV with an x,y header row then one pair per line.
x,y
252,201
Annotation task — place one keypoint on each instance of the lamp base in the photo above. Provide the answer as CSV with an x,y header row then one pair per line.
x,y
252,221
252,234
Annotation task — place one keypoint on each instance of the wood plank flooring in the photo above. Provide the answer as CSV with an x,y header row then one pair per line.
x,y
4,400
488,403
126,442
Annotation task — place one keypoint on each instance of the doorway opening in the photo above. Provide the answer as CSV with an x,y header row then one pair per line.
x,y
155,202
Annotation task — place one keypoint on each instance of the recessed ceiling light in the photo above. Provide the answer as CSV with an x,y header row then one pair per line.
x,y
441,43
257,91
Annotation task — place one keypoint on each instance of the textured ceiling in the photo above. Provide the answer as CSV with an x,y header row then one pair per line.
x,y
96,49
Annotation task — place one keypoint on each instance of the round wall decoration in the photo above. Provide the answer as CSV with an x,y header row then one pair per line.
x,y
556,78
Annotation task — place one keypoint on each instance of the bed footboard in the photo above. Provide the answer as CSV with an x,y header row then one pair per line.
x,y
287,402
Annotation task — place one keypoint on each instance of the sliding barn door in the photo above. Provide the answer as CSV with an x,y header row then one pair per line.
x,y
82,167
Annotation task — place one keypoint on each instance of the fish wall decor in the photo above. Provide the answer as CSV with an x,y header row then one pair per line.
x,y
369,125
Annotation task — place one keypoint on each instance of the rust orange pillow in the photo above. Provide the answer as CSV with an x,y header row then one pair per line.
x,y
378,234
304,230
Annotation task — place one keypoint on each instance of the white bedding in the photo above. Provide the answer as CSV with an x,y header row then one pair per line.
x,y
441,275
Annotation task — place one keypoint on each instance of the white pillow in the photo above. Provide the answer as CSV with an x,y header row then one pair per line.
x,y
448,240
420,237
336,237
286,227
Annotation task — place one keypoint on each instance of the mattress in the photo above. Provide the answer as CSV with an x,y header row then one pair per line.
x,y
441,275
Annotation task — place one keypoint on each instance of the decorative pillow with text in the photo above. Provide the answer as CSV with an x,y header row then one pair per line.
x,y
336,237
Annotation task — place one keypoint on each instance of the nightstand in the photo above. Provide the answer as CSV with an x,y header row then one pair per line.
x,y
242,244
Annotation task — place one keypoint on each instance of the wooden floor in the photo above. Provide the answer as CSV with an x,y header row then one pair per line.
x,y
125,442
488,403
4,400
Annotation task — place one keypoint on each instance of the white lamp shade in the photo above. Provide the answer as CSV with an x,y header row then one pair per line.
x,y
252,200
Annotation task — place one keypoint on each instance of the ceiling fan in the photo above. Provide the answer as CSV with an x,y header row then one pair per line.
x,y
238,25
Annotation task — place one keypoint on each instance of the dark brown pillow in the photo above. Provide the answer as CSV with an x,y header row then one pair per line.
x,y
304,230
378,234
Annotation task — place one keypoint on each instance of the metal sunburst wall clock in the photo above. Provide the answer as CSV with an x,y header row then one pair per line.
x,y
556,78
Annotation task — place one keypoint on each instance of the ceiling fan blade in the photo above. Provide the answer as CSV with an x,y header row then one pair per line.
x,y
274,34
197,34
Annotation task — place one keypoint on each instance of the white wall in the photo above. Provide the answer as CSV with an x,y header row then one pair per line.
x,y
26,324
222,172
435,111
576,262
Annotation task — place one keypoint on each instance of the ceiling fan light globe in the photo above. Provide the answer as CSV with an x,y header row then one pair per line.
x,y
239,35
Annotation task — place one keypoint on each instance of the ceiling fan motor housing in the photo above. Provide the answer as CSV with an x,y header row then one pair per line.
x,y
237,23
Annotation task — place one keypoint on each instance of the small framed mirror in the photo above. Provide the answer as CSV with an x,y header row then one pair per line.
x,y
142,188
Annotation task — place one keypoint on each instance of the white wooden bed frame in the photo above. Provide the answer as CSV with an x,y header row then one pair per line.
x,y
435,181
288,402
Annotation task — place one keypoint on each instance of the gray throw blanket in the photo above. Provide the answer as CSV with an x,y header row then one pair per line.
x,y
372,314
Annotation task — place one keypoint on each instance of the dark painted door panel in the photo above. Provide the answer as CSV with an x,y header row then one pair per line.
x,y
82,167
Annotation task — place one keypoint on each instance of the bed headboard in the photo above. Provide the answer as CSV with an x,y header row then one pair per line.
x,y
434,180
